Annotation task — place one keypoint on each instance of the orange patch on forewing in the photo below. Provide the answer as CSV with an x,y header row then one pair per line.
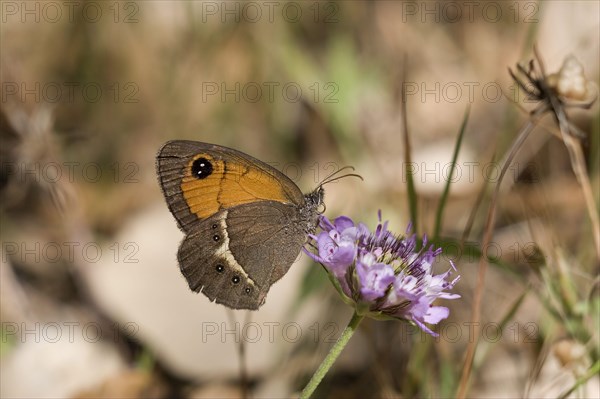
x,y
263,185
201,195
240,185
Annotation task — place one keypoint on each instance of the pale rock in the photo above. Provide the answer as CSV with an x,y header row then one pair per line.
x,y
143,288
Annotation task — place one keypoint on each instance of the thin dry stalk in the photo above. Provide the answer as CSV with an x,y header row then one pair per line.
x,y
491,218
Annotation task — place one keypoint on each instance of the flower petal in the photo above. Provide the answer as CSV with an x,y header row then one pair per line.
x,y
436,314
374,280
342,223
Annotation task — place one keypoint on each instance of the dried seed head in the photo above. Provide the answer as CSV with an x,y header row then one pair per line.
x,y
570,82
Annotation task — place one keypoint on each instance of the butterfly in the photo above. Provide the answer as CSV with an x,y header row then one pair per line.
x,y
244,221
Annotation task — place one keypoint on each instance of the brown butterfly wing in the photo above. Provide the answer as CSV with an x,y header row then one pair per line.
x,y
234,256
242,219
235,179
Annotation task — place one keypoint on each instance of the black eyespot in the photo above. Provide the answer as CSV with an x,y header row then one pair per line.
x,y
214,226
235,279
248,290
216,237
220,268
202,168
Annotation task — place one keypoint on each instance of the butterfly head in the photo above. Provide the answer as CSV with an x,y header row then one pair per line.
x,y
315,200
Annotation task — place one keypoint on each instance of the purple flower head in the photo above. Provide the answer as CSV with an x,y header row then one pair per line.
x,y
381,274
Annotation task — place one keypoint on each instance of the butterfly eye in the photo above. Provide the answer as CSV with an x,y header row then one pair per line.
x,y
202,168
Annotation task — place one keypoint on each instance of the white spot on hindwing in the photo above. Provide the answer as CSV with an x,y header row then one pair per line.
x,y
224,251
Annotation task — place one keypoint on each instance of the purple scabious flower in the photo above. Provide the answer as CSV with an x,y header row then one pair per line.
x,y
383,275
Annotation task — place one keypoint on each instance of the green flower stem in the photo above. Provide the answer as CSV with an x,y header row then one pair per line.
x,y
331,356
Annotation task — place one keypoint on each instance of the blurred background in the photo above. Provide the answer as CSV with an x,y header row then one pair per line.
x,y
92,301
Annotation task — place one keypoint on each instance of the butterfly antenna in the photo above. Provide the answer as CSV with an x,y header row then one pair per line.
x,y
332,177
336,172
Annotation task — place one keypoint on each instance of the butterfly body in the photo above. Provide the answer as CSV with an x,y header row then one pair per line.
x,y
245,222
